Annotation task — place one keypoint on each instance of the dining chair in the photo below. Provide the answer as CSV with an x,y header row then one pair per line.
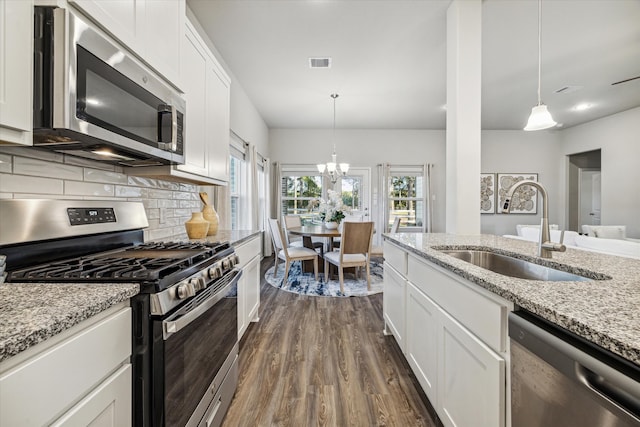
x,y
354,251
291,221
376,250
347,218
287,253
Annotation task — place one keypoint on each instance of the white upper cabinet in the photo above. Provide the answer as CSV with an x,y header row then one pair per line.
x,y
206,142
218,113
16,71
207,126
164,31
151,28
194,69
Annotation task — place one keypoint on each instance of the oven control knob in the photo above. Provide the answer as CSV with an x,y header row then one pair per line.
x,y
198,283
233,260
226,264
215,272
185,290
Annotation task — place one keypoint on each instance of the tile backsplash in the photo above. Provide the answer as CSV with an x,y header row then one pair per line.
x,y
28,173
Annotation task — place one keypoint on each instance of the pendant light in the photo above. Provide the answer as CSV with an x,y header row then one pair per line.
x,y
333,168
540,117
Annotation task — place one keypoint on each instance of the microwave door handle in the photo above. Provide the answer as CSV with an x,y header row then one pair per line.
x,y
174,128
164,109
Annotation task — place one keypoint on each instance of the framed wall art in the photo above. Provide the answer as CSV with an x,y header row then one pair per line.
x,y
525,199
487,193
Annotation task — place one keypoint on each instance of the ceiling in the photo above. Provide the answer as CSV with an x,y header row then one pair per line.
x,y
389,59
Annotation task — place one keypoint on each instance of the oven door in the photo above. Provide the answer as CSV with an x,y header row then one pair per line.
x,y
193,349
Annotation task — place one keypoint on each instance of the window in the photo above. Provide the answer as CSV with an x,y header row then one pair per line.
x,y
406,197
298,189
235,191
351,192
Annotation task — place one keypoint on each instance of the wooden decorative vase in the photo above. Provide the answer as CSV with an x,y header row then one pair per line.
x,y
209,214
197,226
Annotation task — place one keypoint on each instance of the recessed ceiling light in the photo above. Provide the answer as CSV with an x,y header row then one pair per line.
x,y
583,106
320,62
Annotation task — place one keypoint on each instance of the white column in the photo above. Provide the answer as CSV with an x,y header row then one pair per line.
x,y
464,78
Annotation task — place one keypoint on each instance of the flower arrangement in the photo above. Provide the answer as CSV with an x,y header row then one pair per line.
x,y
332,209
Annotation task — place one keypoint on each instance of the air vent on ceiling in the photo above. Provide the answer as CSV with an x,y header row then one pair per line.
x,y
625,80
320,62
568,89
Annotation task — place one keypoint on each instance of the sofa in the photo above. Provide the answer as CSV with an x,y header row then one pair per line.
x,y
620,246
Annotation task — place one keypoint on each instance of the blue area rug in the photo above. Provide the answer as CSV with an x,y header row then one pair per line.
x,y
305,284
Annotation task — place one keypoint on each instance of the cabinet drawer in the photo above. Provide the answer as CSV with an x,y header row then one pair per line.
x,y
248,250
37,390
396,257
486,317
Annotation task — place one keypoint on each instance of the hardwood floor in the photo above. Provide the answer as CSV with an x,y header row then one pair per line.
x,y
321,361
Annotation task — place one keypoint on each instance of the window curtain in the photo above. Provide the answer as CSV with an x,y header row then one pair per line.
x,y
254,200
223,207
276,206
267,247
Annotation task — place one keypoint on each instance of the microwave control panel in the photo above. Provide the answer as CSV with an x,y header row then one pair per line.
x,y
81,216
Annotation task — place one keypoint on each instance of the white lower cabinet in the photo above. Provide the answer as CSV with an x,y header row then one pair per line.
x,y
453,334
250,254
422,339
109,405
77,378
395,288
471,378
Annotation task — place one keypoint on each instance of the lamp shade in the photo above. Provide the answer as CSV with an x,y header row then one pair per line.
x,y
540,118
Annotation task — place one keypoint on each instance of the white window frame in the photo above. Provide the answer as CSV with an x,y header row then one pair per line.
x,y
407,170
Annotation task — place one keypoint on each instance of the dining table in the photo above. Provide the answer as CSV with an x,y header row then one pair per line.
x,y
308,232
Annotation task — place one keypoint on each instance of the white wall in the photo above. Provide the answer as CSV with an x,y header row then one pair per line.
x,y
368,148
246,121
507,151
618,138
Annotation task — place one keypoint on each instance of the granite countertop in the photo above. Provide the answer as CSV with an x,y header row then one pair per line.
x,y
605,312
32,313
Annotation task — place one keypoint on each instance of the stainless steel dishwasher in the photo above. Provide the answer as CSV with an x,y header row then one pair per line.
x,y
559,379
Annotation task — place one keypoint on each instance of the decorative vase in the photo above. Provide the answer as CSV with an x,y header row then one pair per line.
x,y
209,214
197,226
331,225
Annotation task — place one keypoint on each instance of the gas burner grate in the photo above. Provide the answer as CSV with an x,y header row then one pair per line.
x,y
151,262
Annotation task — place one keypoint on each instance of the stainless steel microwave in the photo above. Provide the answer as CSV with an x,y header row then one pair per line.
x,y
94,99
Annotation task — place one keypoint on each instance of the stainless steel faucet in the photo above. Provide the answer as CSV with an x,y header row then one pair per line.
x,y
545,246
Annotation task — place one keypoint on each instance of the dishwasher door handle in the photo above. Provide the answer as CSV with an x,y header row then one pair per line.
x,y
617,395
620,393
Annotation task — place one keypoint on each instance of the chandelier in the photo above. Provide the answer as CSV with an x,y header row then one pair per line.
x,y
333,168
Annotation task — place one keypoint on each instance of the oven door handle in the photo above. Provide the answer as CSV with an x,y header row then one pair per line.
x,y
180,320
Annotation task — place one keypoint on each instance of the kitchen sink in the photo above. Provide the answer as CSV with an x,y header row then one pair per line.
x,y
513,267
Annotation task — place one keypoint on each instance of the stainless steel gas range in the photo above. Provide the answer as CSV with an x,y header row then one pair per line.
x,y
185,345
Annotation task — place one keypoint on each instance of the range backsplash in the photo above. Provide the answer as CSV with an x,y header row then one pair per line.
x,y
27,172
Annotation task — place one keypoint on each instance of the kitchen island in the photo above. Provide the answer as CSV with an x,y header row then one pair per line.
x,y
450,317
605,312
